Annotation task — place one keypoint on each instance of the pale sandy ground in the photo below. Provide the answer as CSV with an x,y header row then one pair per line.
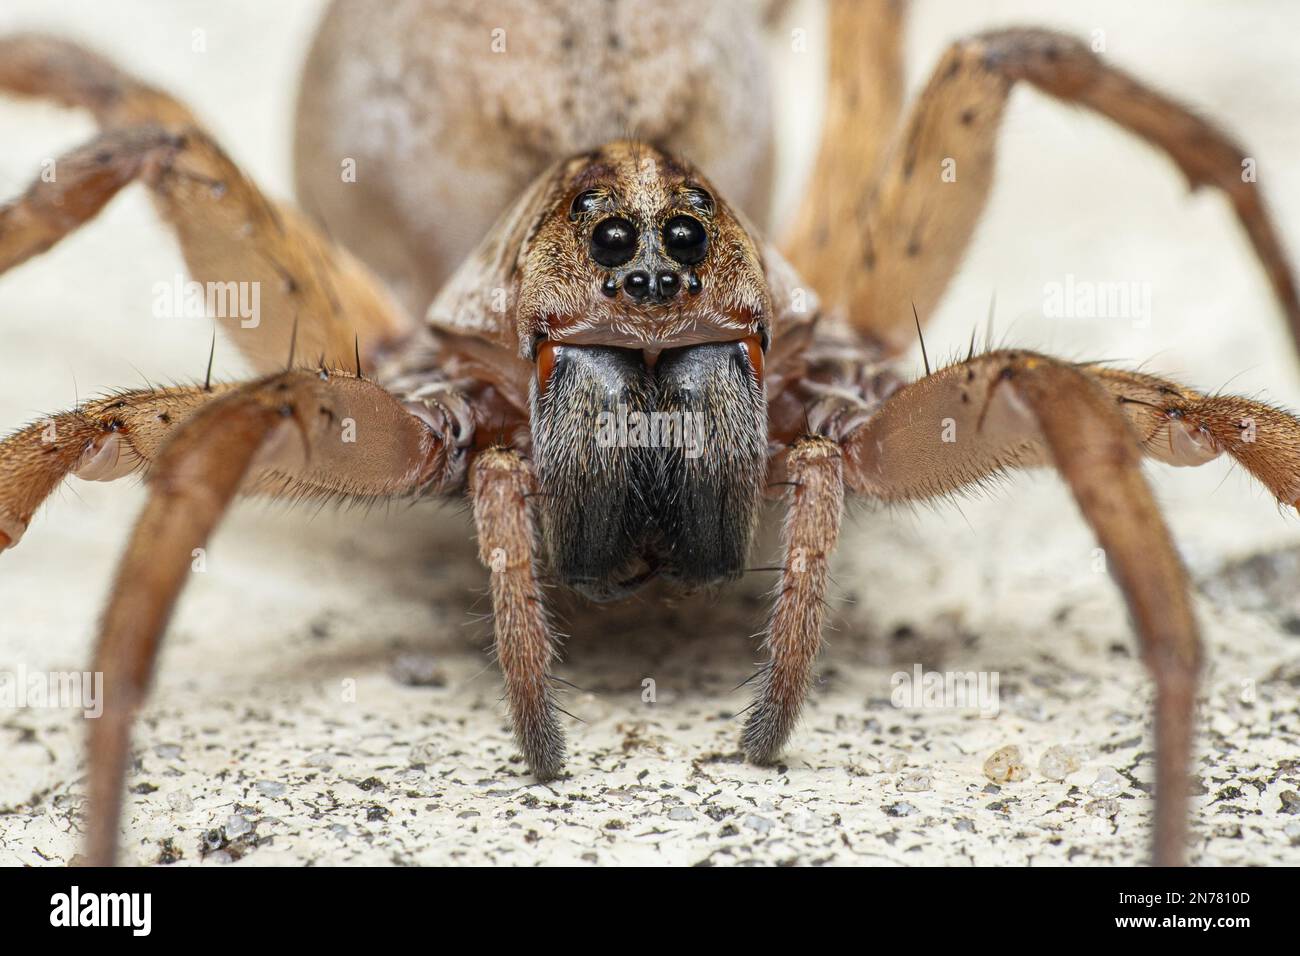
x,y
249,750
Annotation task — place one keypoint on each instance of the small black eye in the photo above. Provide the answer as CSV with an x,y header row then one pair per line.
x,y
700,199
585,201
685,239
613,241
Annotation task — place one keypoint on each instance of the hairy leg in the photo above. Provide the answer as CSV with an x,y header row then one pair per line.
x,y
101,440
299,433
816,501
971,421
1181,426
264,269
863,99
501,483
913,224
123,433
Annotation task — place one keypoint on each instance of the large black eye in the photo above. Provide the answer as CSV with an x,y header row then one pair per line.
x,y
613,241
685,239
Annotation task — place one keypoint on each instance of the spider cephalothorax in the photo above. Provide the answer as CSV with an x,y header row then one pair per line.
x,y
624,246
621,368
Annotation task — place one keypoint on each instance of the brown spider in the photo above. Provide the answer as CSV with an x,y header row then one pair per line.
x,y
619,282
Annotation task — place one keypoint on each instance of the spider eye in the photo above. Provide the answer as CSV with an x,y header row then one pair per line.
x,y
613,241
585,201
700,199
685,239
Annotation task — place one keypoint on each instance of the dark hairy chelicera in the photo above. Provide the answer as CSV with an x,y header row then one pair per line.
x,y
646,472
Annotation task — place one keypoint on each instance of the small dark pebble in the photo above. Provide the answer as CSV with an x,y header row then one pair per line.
x,y
168,852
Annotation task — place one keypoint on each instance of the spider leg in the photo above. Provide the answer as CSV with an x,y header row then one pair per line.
x,y
298,432
261,266
1001,410
863,99
501,481
100,440
1181,426
123,433
49,67
910,224
812,526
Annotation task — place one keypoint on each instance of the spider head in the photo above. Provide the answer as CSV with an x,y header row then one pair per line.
x,y
643,300
633,248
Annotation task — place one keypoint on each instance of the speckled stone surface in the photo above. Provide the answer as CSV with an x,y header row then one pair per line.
x,y
325,697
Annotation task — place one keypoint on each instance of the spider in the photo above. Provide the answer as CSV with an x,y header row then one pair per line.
x,y
572,221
